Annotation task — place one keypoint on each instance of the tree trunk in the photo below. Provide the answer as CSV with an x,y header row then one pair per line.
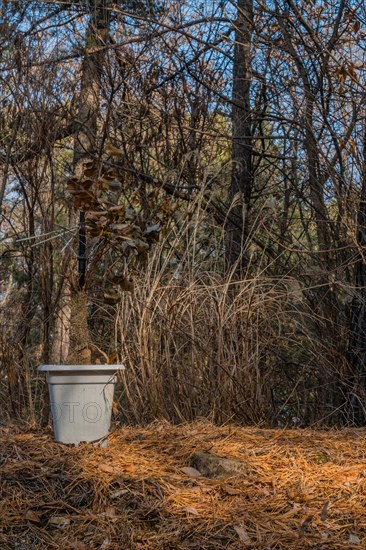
x,y
315,180
85,148
237,228
356,406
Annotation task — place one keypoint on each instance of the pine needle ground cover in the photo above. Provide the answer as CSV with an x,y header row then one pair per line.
x,y
295,489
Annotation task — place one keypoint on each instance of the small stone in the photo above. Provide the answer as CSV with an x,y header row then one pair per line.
x,y
212,465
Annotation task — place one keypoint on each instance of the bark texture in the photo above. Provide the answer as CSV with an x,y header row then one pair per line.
x,y
242,142
85,148
357,390
80,353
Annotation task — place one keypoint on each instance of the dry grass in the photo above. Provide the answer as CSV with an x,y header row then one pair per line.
x,y
247,351
199,343
301,489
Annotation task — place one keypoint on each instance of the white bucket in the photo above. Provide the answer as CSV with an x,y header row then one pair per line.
x,y
81,399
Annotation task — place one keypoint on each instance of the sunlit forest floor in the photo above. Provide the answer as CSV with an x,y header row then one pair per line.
x,y
295,489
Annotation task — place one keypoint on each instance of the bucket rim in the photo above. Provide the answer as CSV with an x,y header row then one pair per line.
x,y
80,368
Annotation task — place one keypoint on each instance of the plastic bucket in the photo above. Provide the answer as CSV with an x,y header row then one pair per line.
x,y
81,398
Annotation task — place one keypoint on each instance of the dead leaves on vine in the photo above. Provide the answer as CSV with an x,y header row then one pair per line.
x,y
128,229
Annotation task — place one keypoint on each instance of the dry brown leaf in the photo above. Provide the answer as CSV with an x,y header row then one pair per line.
x,y
94,231
89,164
123,282
121,228
86,184
191,510
32,516
349,476
112,151
89,172
117,208
129,468
112,357
305,524
242,533
107,468
95,215
142,246
103,184
110,512
354,539
112,296
114,185
59,521
324,512
356,26
231,491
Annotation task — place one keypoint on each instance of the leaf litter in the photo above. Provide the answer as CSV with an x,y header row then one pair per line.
x,y
300,489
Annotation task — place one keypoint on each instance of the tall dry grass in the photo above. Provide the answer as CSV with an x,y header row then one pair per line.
x,y
244,350
199,344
